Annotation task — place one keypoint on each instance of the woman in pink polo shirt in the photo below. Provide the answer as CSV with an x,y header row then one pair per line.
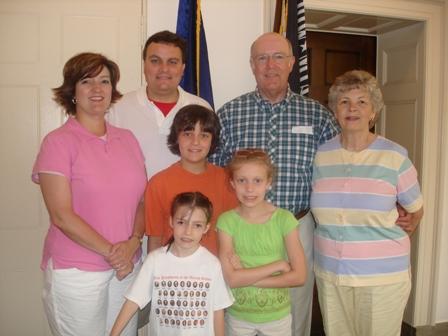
x,y
92,178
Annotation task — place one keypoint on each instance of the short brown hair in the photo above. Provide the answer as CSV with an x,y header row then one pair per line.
x,y
82,66
167,37
187,118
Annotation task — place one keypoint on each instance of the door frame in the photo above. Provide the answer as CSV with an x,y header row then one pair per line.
x,y
435,125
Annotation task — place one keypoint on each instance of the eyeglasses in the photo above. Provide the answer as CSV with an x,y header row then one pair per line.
x,y
277,58
250,153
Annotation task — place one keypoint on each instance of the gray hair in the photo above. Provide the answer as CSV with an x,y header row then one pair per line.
x,y
357,79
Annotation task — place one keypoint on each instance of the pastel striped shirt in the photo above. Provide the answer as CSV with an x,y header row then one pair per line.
x,y
357,242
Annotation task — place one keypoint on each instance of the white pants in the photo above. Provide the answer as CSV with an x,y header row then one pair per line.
x,y
235,327
82,303
302,297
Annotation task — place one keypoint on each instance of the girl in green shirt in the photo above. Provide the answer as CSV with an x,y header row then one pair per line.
x,y
259,250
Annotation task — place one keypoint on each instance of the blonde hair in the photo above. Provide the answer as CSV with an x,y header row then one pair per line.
x,y
249,155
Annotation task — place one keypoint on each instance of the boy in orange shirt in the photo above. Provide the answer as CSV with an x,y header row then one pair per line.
x,y
194,135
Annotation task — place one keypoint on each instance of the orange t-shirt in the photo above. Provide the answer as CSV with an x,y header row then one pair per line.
x,y
165,185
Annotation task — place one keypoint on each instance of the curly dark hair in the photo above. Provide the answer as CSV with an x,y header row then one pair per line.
x,y
79,67
187,118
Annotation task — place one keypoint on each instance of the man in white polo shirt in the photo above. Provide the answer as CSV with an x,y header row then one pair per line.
x,y
149,111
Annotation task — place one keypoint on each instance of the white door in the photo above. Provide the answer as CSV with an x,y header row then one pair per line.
x,y
401,76
36,38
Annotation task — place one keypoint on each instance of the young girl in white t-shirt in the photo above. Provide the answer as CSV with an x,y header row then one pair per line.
x,y
260,251
183,280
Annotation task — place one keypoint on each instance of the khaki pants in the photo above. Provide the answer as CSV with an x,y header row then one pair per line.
x,y
362,311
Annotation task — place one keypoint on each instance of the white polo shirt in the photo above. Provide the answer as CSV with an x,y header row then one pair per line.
x,y
137,113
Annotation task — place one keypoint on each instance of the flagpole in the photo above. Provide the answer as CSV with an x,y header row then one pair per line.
x,y
198,46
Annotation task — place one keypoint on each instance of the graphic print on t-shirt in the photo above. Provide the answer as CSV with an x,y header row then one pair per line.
x,y
181,301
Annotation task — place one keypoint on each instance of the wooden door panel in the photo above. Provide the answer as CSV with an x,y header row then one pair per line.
x,y
401,54
330,55
37,37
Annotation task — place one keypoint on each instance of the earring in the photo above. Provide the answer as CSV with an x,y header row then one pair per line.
x,y
74,100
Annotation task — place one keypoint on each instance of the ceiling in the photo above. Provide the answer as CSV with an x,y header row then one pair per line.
x,y
352,23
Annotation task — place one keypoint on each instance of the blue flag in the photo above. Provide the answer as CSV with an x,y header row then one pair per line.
x,y
196,79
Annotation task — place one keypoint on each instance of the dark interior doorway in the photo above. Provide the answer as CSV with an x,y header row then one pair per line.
x,y
331,54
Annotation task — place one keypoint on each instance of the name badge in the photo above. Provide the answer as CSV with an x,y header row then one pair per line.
x,y
302,129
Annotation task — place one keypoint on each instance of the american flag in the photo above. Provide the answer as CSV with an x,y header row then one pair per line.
x,y
290,21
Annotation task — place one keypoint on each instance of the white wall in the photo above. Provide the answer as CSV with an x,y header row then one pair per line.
x,y
232,25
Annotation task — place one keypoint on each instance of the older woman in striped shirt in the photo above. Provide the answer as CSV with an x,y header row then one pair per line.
x,y
362,257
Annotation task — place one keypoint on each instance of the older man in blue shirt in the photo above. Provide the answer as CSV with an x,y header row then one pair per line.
x,y
289,127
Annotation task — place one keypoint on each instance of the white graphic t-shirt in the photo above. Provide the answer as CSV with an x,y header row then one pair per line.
x,y
184,292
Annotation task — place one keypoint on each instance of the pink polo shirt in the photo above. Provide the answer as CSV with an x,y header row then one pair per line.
x,y
107,180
